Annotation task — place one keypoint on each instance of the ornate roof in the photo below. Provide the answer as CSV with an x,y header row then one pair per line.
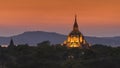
x,y
75,30
75,33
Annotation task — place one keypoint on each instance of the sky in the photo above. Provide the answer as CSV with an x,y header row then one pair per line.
x,y
99,18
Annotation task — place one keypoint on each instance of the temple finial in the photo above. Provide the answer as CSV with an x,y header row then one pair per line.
x,y
75,26
75,18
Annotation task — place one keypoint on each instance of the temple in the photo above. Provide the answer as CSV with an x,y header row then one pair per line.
x,y
76,38
11,45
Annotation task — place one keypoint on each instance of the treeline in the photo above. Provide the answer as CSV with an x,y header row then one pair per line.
x,y
45,55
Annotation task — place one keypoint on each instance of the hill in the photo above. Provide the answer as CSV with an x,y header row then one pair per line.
x,y
34,37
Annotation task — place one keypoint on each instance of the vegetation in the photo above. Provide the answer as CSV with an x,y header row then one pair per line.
x,y
45,55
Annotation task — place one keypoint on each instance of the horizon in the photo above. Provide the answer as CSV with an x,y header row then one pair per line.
x,y
54,32
95,18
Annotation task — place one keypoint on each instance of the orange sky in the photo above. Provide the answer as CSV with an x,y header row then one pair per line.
x,y
95,17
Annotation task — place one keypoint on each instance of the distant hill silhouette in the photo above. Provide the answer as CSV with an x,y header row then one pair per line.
x,y
34,37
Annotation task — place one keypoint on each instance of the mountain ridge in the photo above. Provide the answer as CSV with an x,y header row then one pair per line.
x,y
34,37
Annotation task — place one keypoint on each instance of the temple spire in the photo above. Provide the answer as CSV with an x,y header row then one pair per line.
x,y
75,37
11,43
75,18
75,26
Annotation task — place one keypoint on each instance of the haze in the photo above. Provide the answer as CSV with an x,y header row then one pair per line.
x,y
95,17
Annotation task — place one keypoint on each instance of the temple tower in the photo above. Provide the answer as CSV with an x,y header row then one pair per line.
x,y
76,38
11,45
